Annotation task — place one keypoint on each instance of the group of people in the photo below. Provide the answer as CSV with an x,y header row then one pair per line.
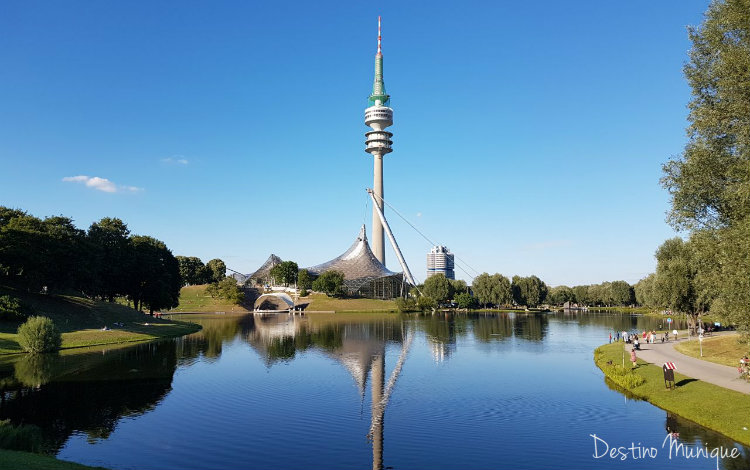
x,y
633,338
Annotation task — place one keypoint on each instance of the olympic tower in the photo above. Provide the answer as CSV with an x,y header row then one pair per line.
x,y
378,116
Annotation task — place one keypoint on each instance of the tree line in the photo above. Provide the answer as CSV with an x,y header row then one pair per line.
x,y
106,261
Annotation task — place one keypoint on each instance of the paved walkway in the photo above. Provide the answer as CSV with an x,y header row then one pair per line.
x,y
717,374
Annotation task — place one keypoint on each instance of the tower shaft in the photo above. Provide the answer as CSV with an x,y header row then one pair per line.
x,y
378,116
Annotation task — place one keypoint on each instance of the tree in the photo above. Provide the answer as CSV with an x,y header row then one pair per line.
x,y
581,294
438,288
285,273
529,291
192,270
330,282
675,278
154,279
560,294
466,300
709,183
304,280
216,271
458,286
492,290
621,293
644,292
226,289
112,257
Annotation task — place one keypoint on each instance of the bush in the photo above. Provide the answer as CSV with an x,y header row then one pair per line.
x,y
11,309
24,437
38,335
406,304
466,300
426,303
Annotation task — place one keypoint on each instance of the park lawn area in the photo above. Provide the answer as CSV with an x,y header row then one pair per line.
x,y
726,349
195,299
14,460
80,320
725,411
323,303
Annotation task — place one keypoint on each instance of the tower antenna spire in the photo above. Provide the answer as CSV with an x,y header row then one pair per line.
x,y
379,37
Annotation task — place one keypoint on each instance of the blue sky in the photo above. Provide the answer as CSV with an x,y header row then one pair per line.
x,y
528,136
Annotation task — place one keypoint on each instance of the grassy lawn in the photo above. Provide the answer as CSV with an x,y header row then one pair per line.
x,y
321,302
14,460
81,321
726,350
714,407
195,299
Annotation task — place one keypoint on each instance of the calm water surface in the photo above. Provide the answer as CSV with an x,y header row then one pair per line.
x,y
351,391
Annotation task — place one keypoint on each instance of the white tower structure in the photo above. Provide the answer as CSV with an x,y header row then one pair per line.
x,y
378,116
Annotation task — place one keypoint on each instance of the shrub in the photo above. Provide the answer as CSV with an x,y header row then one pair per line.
x,y
24,437
38,335
406,304
426,303
11,308
466,300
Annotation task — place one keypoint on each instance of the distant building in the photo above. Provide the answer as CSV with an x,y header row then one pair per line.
x,y
440,261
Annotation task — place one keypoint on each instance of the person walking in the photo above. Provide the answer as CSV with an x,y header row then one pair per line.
x,y
633,357
610,338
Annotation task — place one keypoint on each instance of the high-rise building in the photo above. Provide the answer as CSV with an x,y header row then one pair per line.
x,y
378,116
440,261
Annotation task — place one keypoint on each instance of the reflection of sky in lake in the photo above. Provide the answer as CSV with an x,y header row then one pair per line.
x,y
494,391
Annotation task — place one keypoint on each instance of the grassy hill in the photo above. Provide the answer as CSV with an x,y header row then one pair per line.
x,y
81,321
321,302
195,299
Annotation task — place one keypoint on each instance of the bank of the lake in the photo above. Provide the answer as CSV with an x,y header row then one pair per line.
x,y
714,407
81,322
725,349
14,460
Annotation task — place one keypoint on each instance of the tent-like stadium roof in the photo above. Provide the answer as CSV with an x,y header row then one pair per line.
x,y
358,264
264,271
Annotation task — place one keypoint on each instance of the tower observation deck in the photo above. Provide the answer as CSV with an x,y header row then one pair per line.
x,y
378,116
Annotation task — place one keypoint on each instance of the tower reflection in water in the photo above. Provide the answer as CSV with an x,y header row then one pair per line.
x,y
360,346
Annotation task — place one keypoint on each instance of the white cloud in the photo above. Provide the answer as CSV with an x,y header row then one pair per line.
x,y
175,160
100,184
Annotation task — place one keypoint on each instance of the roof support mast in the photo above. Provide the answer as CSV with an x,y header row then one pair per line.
x,y
400,257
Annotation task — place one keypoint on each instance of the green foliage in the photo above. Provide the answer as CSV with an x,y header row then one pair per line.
x,y
426,303
492,290
226,289
38,335
675,276
11,309
192,271
285,273
529,291
560,294
154,280
438,287
645,294
458,286
466,301
406,304
25,437
710,182
215,271
304,280
330,282
111,258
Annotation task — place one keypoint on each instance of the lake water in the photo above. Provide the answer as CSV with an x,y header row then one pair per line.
x,y
349,391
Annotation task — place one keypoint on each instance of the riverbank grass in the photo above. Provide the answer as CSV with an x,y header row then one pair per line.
x,y
81,322
725,411
14,460
726,349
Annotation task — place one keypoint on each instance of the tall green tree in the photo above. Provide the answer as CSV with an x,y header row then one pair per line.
x,y
192,270
111,257
304,279
621,293
710,182
492,290
285,273
438,287
154,281
215,271
529,291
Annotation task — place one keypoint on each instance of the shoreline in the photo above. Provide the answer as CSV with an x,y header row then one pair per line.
x,y
693,399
